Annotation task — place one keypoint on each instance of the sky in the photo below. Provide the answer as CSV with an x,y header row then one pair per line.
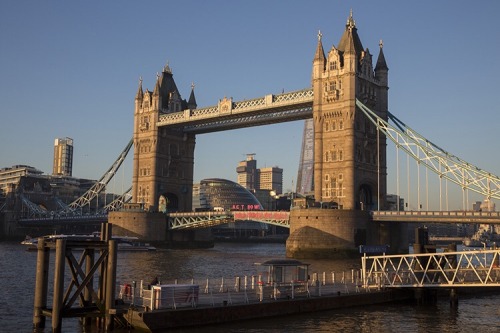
x,y
72,68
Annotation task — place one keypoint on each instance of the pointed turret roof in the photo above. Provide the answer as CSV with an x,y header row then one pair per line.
x,y
350,42
192,100
156,91
381,64
139,94
167,85
320,53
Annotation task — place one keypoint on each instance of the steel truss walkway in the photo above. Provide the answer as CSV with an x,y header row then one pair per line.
x,y
177,221
270,109
432,270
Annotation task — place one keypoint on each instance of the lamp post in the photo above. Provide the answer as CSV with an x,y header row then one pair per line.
x,y
272,196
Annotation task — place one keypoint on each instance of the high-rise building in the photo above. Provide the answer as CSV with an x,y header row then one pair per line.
x,y
63,157
305,175
271,179
258,180
247,173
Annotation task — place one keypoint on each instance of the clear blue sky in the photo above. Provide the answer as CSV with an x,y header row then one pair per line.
x,y
71,68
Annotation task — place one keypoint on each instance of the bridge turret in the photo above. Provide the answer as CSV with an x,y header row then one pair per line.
x,y
139,96
319,62
381,69
192,100
156,95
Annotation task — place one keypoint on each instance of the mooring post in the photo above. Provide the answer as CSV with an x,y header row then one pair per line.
x,y
57,303
110,284
41,284
453,298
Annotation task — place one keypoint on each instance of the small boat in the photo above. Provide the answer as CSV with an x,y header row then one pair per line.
x,y
125,243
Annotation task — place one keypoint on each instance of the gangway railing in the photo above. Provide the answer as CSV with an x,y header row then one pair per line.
x,y
435,270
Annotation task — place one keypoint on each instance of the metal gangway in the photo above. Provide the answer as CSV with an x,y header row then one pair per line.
x,y
475,268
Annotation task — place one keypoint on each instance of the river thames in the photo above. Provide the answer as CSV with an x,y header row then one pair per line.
x,y
228,260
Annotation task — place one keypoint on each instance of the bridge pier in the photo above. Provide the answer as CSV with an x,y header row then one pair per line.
x,y
329,233
152,227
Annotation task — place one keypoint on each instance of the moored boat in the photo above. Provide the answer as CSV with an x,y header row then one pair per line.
x,y
125,243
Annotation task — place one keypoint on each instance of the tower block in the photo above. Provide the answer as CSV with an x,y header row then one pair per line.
x,y
350,170
163,157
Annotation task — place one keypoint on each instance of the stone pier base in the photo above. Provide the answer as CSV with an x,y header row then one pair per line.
x,y
152,227
334,233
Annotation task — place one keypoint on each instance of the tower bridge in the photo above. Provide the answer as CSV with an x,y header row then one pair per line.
x,y
347,102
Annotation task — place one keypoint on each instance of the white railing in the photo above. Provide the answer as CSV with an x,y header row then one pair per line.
x,y
238,290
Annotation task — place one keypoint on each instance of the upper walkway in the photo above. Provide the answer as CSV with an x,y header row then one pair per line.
x,y
226,115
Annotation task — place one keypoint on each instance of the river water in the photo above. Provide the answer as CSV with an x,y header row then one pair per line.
x,y
17,280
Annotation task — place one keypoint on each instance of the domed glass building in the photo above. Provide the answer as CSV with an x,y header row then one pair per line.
x,y
215,194
223,194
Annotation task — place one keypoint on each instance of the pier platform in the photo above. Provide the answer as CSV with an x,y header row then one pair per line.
x,y
215,303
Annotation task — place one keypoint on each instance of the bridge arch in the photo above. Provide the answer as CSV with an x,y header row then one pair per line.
x,y
169,202
366,197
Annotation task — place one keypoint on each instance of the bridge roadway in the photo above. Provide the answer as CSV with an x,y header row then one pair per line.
x,y
208,219
191,220
436,217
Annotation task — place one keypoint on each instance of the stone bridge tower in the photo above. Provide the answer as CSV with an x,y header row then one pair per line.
x,y
163,157
350,157
350,169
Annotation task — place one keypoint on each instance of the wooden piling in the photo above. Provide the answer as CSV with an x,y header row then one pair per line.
x,y
110,283
57,304
87,296
41,284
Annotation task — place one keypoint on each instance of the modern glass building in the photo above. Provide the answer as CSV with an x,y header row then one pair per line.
x,y
223,194
215,194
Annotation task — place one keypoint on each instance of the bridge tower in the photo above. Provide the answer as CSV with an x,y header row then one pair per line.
x,y
163,158
350,158
350,170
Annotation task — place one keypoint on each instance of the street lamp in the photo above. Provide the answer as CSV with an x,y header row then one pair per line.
x,y
272,196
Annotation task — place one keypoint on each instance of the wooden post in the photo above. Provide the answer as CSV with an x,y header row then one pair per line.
x,y
110,283
57,304
41,283
87,296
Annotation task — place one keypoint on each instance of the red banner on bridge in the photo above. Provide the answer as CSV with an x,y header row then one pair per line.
x,y
260,215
